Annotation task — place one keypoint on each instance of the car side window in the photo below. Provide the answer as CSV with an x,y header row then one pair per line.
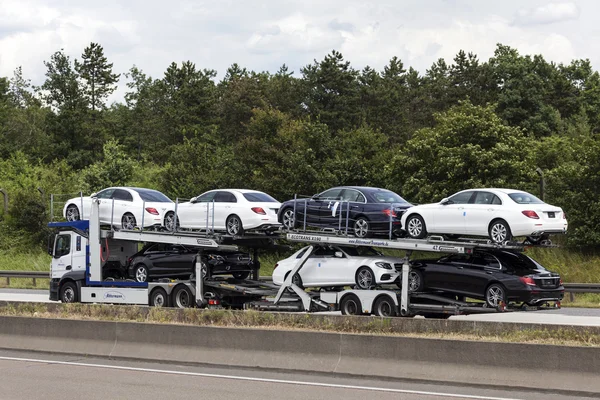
x,y
484,198
225,197
301,254
497,200
461,198
105,194
457,258
206,197
486,260
352,195
331,194
122,195
323,252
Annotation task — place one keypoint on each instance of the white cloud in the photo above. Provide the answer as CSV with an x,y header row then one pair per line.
x,y
548,14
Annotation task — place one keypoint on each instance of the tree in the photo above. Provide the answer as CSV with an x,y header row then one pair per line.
x,y
114,169
96,73
61,89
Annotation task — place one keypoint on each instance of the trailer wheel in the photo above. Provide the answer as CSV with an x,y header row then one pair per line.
x,y
159,298
384,306
68,292
182,297
350,305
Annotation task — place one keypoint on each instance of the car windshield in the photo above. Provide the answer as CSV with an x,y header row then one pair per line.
x,y
386,196
259,197
361,251
524,198
153,195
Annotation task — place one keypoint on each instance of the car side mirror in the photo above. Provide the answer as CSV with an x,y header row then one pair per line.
x,y
338,254
445,201
94,195
193,199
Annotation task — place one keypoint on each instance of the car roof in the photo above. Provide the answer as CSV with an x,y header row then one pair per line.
x,y
236,190
501,190
363,188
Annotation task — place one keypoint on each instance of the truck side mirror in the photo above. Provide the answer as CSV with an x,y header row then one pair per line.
x,y
50,247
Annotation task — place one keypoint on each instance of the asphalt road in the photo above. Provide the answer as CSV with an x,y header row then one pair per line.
x,y
27,375
563,316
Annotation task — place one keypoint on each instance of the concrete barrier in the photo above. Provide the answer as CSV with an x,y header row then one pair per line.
x,y
484,363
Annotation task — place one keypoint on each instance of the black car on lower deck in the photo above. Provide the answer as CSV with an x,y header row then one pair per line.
x,y
364,211
491,275
163,260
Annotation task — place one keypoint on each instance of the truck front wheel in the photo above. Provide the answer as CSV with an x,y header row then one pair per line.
x,y
69,292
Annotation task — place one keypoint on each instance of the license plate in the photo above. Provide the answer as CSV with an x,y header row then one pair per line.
x,y
551,214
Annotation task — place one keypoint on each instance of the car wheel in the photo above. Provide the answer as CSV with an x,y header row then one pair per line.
x,y
159,298
415,281
288,219
170,224
297,280
361,227
365,279
494,295
384,307
141,273
499,231
72,213
350,305
241,275
234,226
182,297
128,221
415,227
68,292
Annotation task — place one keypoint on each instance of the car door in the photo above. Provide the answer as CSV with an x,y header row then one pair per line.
x,y
181,262
224,205
194,214
449,216
123,203
481,271
316,271
351,199
480,211
329,202
105,205
447,273
158,258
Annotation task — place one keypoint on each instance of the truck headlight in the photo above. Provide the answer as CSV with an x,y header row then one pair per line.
x,y
384,265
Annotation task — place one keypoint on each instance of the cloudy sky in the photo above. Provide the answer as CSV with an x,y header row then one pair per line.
x,y
264,34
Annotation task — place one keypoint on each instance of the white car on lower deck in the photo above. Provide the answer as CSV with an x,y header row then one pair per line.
x,y
500,214
340,266
231,210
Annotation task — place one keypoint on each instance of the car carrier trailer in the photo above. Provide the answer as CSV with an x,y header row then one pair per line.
x,y
83,249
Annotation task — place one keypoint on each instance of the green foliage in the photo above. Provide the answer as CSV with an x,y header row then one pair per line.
x,y
114,169
96,73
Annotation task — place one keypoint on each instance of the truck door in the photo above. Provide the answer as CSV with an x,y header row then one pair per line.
x,y
68,254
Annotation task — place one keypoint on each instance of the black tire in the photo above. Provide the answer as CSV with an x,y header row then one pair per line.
x,y
361,227
128,221
140,273
288,219
297,280
384,307
494,294
241,275
182,297
415,227
364,278
499,231
234,226
350,305
69,293
159,298
72,213
415,281
170,223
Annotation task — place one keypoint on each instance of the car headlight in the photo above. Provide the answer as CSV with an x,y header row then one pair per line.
x,y
384,265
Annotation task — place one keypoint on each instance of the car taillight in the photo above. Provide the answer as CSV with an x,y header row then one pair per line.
x,y
152,210
531,214
564,215
259,210
560,282
387,212
527,280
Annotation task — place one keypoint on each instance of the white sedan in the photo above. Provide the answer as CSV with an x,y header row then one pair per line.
x,y
123,206
500,214
339,266
231,210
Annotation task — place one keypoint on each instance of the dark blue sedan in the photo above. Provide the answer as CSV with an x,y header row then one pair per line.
x,y
362,211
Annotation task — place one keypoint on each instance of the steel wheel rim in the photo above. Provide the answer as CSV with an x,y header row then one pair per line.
x,y
499,233
361,228
365,279
183,299
414,281
233,226
495,295
415,227
128,222
69,295
288,219
141,275
72,214
351,307
385,309
159,300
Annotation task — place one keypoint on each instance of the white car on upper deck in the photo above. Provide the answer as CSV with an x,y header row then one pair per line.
x,y
500,214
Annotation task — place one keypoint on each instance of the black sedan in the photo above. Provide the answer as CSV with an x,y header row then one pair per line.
x,y
492,275
162,260
363,211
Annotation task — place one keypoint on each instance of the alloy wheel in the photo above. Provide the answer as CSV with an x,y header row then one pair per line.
x,y
495,295
141,275
414,281
72,214
233,226
170,223
128,221
288,219
365,278
499,232
361,228
415,227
